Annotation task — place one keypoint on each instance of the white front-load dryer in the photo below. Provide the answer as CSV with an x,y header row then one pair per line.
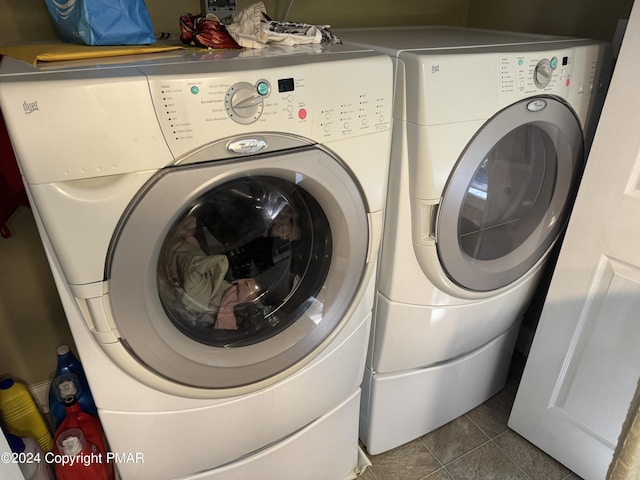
x,y
490,135
212,222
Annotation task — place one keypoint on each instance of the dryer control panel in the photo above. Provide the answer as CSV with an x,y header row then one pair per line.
x,y
322,102
451,86
571,73
529,74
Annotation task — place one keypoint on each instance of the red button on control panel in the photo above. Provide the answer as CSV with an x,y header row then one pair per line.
x,y
302,114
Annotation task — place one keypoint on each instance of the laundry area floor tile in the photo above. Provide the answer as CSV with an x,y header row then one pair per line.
x,y
475,446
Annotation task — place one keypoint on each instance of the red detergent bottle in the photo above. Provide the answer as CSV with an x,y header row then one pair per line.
x,y
80,446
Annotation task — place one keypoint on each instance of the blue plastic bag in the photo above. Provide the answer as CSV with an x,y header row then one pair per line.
x,y
102,22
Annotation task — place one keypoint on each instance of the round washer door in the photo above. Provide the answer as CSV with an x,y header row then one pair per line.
x,y
224,274
509,194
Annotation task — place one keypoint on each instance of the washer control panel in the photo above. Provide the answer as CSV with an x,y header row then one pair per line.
x,y
322,102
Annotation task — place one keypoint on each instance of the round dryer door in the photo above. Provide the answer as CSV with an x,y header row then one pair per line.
x,y
510,193
226,273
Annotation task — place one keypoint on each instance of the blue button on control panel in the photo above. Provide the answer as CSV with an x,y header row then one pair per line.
x,y
262,88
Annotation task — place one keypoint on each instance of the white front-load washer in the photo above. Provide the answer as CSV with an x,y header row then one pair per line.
x,y
212,221
490,135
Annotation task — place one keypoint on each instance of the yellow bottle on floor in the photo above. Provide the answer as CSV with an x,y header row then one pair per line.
x,y
21,416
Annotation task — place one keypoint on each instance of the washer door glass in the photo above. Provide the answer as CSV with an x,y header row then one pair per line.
x,y
236,268
225,273
509,194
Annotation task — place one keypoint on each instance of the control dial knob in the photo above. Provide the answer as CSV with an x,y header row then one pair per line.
x,y
542,73
244,102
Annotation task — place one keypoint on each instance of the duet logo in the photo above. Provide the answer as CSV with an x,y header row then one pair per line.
x,y
30,107
64,9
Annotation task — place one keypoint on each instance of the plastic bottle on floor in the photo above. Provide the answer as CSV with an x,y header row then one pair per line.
x,y
69,380
81,432
20,414
30,457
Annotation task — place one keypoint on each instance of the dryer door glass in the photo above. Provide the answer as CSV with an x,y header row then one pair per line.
x,y
226,273
509,194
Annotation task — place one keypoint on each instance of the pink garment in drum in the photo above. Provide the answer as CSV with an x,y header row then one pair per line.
x,y
241,291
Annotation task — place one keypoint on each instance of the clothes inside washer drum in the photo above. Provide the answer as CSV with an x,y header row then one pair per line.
x,y
201,276
242,291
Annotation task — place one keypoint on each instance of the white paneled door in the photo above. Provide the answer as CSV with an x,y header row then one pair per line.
x,y
584,364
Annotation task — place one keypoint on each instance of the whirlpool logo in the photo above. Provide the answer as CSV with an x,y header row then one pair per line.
x,y
64,9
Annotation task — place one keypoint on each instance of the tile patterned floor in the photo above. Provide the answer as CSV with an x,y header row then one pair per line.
x,y
476,446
